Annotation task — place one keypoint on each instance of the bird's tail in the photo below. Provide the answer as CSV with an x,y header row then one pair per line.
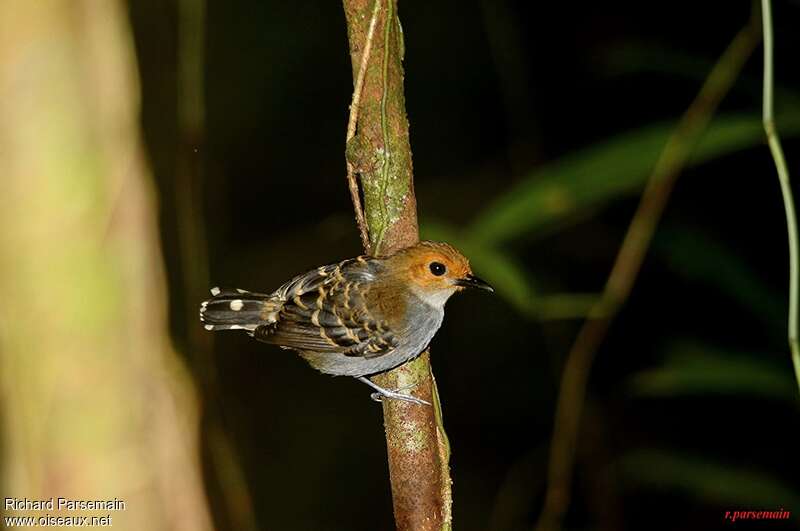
x,y
235,309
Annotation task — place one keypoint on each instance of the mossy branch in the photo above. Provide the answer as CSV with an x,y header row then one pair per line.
x,y
379,155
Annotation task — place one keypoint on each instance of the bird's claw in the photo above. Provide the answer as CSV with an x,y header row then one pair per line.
x,y
393,395
382,393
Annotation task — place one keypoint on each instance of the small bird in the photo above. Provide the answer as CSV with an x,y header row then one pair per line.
x,y
357,318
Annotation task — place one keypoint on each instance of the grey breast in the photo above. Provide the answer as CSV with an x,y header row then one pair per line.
x,y
424,322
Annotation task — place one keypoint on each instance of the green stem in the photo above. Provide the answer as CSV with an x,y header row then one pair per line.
x,y
786,188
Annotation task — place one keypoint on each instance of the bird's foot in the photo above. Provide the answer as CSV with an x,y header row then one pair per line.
x,y
380,395
383,393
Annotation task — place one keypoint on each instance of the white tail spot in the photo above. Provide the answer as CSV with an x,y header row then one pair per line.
x,y
215,291
237,305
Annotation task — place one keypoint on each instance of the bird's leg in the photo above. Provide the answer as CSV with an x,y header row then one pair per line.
x,y
385,393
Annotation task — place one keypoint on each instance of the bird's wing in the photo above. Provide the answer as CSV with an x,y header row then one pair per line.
x,y
324,310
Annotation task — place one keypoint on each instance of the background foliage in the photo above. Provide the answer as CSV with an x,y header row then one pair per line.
x,y
533,126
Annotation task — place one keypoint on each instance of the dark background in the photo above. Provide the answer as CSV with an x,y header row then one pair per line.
x,y
494,91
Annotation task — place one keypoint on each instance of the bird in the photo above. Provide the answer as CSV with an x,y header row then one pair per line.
x,y
358,317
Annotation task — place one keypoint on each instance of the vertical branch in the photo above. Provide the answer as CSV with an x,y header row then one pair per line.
x,y
188,194
379,153
786,188
188,171
673,157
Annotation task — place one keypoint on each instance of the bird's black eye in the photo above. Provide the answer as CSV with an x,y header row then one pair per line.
x,y
437,268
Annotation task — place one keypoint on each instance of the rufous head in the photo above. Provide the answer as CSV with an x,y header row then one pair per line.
x,y
435,271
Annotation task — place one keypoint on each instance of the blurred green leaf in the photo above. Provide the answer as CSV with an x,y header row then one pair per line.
x,y
588,178
508,277
634,58
691,369
565,305
700,478
690,252
644,57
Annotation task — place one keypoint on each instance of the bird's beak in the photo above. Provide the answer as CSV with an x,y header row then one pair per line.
x,y
471,281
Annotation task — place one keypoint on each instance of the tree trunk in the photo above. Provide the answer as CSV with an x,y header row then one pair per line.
x,y
95,402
